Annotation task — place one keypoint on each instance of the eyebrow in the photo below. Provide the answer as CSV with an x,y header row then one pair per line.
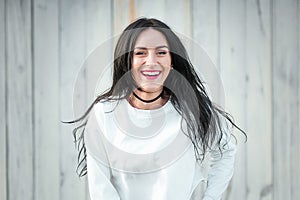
x,y
158,47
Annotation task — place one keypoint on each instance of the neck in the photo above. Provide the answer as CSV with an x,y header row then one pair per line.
x,y
144,100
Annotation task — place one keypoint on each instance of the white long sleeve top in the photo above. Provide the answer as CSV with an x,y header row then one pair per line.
x,y
135,154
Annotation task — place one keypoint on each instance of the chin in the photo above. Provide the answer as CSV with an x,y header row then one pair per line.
x,y
151,87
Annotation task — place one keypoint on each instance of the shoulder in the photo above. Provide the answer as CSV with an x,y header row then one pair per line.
x,y
101,110
96,123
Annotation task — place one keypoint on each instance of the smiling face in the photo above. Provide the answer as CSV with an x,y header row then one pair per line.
x,y
151,61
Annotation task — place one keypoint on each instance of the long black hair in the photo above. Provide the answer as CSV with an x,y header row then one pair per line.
x,y
183,87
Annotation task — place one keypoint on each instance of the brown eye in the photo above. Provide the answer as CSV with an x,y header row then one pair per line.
x,y
161,53
139,53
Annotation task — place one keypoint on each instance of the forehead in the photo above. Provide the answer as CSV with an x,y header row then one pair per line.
x,y
150,38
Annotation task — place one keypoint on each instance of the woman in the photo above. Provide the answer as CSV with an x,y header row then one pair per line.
x,y
147,136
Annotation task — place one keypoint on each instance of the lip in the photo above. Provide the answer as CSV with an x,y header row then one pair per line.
x,y
151,74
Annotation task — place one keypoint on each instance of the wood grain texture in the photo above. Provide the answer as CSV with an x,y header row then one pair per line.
x,y
72,52
149,9
285,94
233,73
205,26
19,100
259,100
46,99
297,180
205,33
99,47
121,15
179,16
3,135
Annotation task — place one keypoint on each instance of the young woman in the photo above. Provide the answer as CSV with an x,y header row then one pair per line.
x,y
147,136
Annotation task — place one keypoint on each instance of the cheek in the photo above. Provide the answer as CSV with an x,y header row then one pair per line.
x,y
167,64
168,60
133,63
136,63
134,67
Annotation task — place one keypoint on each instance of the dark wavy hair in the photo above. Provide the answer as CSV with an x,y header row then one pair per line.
x,y
183,87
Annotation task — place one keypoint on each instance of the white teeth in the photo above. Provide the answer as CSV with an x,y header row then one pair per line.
x,y
150,73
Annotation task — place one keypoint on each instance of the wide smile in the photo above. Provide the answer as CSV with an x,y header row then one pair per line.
x,y
151,74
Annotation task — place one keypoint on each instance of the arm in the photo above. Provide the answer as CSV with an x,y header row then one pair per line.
x,y
98,170
100,187
222,167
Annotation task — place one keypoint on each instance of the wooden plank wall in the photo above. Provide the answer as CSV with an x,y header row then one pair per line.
x,y
233,72
19,100
44,44
72,52
46,98
3,160
285,85
259,89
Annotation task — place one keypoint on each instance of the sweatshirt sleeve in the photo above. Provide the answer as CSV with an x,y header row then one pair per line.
x,y
98,169
100,187
222,167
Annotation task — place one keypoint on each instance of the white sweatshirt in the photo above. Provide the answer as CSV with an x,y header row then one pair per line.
x,y
135,154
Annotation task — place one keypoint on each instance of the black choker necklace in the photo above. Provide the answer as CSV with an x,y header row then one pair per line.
x,y
148,101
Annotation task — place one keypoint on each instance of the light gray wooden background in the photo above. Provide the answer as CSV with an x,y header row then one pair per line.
x,y
255,44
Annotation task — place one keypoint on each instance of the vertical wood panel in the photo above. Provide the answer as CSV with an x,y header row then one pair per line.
x,y
298,141
46,96
296,136
3,173
232,65
149,9
72,52
121,15
205,32
19,80
295,92
285,94
259,101
99,42
178,16
205,26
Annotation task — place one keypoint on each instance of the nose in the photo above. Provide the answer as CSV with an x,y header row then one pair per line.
x,y
151,58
